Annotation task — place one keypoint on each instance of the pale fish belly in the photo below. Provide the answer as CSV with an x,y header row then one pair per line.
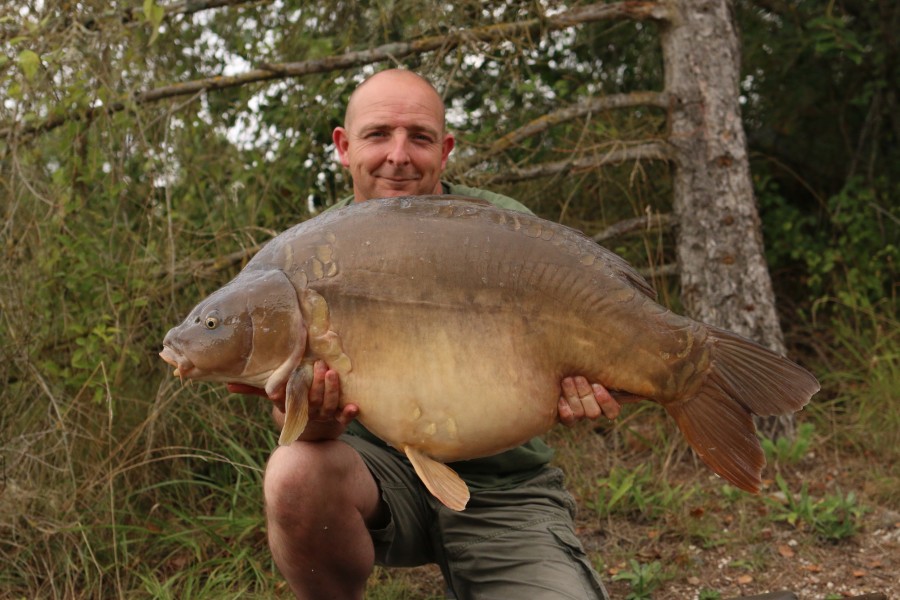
x,y
452,424
454,390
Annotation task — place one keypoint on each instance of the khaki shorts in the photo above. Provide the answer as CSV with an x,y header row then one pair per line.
x,y
516,543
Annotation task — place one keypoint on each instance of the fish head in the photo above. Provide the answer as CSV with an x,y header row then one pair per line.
x,y
250,331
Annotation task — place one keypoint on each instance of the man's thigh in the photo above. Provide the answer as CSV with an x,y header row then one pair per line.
x,y
518,543
407,538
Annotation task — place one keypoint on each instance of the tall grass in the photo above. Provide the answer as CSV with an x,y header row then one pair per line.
x,y
859,366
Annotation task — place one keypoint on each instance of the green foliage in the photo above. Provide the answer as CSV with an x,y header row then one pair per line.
x,y
29,62
849,249
860,369
708,594
637,493
154,14
821,93
834,518
643,579
789,451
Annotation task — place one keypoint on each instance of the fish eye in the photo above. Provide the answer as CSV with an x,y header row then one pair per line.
x,y
211,322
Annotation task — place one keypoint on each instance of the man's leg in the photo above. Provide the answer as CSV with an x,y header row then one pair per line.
x,y
319,499
518,543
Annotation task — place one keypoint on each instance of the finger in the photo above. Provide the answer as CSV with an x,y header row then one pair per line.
x,y
278,415
570,393
566,416
331,395
317,387
606,402
590,408
347,414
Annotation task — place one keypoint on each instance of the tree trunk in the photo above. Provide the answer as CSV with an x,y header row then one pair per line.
x,y
724,277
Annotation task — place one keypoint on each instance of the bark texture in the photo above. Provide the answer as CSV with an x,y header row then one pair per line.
x,y
724,276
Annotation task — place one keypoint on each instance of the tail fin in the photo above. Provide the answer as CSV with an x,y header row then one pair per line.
x,y
744,379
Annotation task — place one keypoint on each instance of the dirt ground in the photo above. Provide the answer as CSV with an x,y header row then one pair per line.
x,y
744,549
783,559
716,547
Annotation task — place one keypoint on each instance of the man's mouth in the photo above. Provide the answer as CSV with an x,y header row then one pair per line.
x,y
397,180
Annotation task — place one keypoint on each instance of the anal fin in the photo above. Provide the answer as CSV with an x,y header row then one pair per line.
x,y
442,481
296,404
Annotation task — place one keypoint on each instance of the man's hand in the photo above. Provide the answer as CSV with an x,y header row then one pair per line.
x,y
326,419
580,400
325,398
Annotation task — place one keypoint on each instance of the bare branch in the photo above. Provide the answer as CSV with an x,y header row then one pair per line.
x,y
645,151
131,16
391,51
644,223
208,268
666,270
186,7
545,122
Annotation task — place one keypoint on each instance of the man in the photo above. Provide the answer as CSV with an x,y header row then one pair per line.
x,y
338,500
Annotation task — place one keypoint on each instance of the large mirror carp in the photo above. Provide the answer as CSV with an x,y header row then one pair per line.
x,y
451,324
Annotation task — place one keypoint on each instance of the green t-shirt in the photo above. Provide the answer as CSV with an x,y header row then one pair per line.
x,y
506,469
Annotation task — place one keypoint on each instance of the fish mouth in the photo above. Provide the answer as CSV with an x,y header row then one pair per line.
x,y
183,365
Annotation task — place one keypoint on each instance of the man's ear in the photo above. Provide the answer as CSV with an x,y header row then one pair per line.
x,y
341,141
447,146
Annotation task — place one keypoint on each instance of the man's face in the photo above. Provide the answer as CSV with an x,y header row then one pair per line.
x,y
393,141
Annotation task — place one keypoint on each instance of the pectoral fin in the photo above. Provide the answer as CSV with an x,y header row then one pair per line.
x,y
442,481
296,404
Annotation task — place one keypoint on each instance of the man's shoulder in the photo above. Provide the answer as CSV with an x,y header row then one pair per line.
x,y
492,197
340,203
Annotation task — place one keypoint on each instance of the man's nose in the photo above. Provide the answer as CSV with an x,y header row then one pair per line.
x,y
399,151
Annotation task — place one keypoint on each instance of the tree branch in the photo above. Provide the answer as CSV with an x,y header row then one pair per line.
x,y
645,151
128,16
644,223
185,7
391,51
545,122
207,268
666,270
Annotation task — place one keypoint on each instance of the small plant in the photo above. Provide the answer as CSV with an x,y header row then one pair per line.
x,y
643,579
785,451
833,518
635,492
838,517
708,594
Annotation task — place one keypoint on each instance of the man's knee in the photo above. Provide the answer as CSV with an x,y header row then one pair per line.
x,y
313,475
297,474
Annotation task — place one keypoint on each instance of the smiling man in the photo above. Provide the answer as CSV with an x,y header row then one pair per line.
x,y
339,500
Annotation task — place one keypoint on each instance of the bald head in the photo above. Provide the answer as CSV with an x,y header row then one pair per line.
x,y
396,82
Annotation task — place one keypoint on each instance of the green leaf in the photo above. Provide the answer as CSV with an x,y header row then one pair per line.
x,y
29,62
154,14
